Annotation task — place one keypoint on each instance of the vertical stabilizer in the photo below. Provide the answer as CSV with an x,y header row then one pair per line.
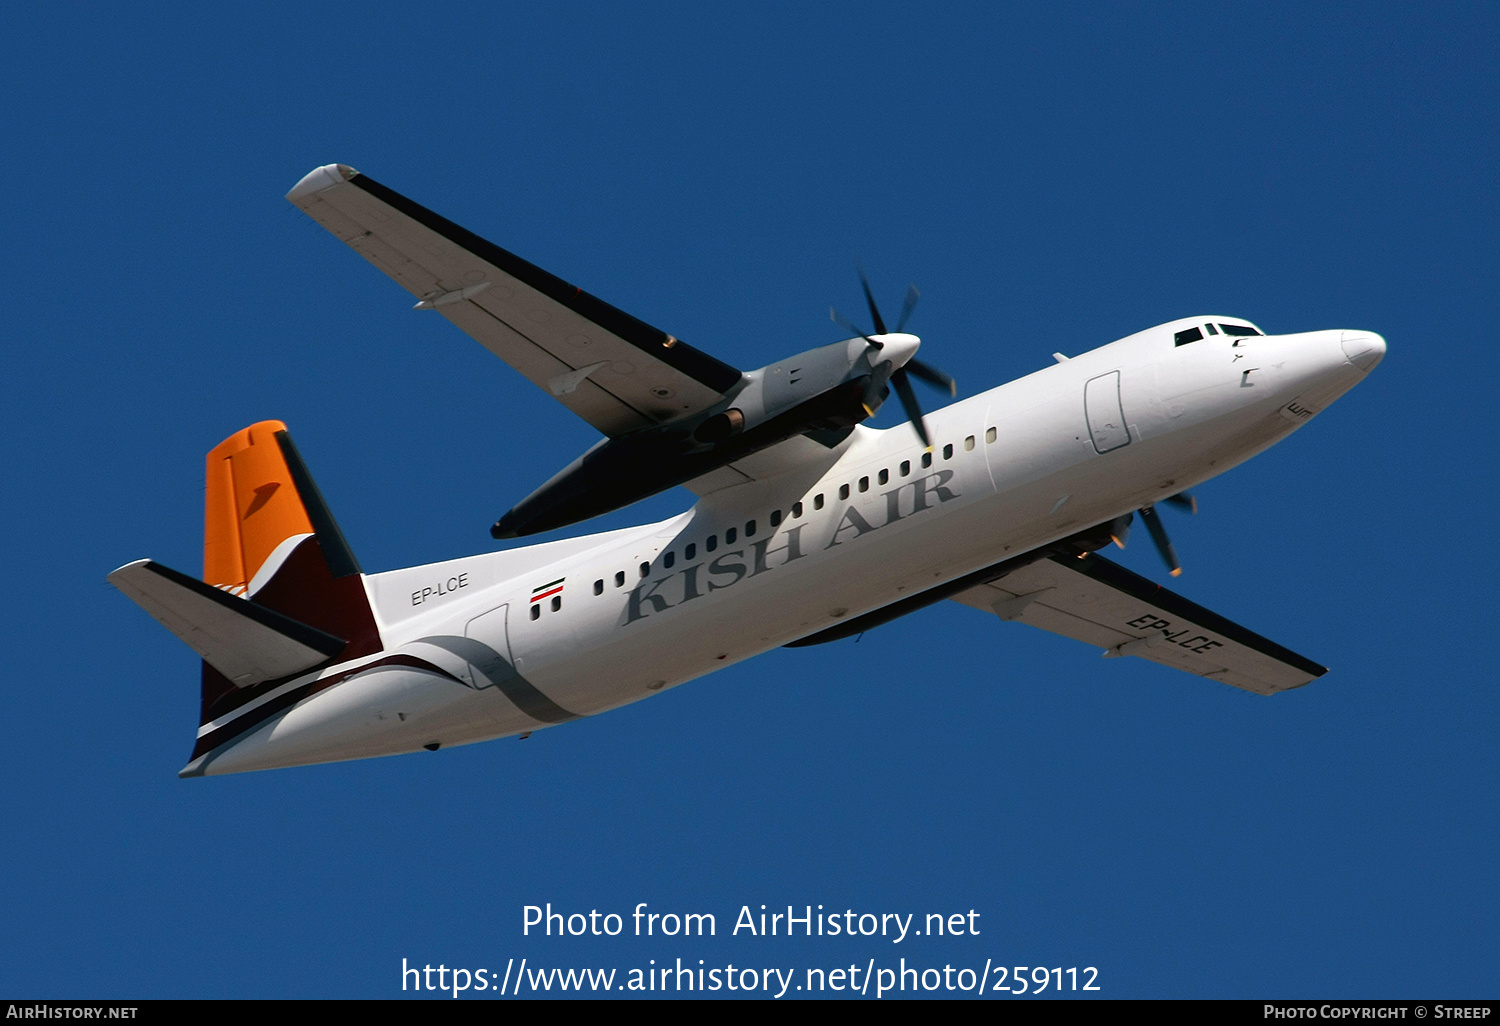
x,y
260,501
269,537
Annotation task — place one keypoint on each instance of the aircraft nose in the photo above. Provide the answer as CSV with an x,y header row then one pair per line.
x,y
1363,349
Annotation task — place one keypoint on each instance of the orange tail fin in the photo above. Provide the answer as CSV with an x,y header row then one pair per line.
x,y
269,537
256,505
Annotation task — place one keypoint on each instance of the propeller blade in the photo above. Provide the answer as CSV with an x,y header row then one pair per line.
x,y
870,298
1182,500
930,374
1119,530
848,325
1159,536
909,403
912,295
899,378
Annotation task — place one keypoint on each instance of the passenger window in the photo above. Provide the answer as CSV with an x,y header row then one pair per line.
x,y
776,518
620,579
883,476
729,536
536,610
1211,329
948,451
645,570
712,543
926,460
969,444
749,528
796,511
843,491
669,559
556,603
818,501
1187,335
905,467
690,551
989,436
599,586
864,484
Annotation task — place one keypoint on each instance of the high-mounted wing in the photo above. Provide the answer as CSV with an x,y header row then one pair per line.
x,y
616,372
1101,603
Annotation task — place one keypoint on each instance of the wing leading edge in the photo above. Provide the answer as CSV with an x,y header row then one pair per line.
x,y
1101,603
616,372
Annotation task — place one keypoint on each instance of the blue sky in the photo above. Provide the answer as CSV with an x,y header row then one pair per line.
x,y
1052,178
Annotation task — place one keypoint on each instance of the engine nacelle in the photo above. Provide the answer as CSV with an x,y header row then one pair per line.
x,y
828,389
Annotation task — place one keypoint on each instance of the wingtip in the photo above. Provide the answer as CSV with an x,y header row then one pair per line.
x,y
319,179
113,576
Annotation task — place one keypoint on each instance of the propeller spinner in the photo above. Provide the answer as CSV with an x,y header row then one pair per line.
x,y
900,377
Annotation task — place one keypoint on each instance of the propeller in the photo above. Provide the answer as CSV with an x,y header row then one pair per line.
x,y
900,378
1119,531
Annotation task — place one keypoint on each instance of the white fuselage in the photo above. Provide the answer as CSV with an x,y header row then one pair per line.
x,y
759,565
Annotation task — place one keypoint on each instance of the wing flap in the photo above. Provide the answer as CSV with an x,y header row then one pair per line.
x,y
246,642
1102,604
587,398
541,325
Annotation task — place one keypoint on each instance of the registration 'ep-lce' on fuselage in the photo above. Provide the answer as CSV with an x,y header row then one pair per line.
x,y
809,524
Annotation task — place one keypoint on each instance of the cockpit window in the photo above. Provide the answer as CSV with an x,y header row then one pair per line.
x,y
1238,329
1182,338
1211,329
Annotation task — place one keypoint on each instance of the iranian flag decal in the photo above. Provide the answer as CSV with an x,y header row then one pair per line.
x,y
547,590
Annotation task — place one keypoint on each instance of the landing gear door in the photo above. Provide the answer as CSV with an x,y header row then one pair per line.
x,y
1101,403
489,661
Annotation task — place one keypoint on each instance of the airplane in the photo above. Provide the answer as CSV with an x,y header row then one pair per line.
x,y
809,524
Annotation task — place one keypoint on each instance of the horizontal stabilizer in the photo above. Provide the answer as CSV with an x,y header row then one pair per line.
x,y
246,642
